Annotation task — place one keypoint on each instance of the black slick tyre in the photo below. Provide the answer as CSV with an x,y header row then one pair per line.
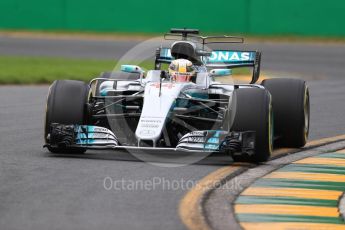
x,y
253,112
291,109
66,104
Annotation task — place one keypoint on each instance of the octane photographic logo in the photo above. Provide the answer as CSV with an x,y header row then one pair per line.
x,y
152,124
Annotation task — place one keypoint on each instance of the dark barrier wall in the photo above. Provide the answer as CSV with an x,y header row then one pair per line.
x,y
262,17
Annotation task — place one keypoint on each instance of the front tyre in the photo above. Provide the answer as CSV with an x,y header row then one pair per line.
x,y
254,113
66,104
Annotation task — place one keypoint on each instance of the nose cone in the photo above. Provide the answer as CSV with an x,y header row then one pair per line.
x,y
158,101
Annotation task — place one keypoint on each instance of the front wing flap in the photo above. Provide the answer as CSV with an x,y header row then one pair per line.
x,y
64,136
218,141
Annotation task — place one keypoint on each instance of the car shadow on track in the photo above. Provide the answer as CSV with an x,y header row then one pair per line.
x,y
164,158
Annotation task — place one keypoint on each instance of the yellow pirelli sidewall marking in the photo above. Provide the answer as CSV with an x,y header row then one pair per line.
x,y
286,210
322,161
292,192
307,176
292,226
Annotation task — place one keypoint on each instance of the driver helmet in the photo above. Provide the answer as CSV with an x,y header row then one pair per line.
x,y
181,70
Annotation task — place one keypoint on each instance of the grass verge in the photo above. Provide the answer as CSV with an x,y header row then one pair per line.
x,y
113,36
41,70
44,70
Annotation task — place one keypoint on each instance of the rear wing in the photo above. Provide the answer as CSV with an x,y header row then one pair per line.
x,y
220,59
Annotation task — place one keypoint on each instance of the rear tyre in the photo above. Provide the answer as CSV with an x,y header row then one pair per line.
x,y
254,113
291,109
66,104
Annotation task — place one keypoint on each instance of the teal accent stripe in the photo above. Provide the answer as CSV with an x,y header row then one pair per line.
x,y
285,201
313,169
287,218
332,155
297,183
287,183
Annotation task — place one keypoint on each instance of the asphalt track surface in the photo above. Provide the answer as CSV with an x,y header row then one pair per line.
x,y
315,61
43,191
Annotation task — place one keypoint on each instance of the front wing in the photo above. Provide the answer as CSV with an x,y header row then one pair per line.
x,y
95,137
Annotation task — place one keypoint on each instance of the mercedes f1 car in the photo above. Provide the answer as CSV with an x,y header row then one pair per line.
x,y
133,109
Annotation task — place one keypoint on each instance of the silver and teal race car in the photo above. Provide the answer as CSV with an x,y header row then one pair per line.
x,y
133,109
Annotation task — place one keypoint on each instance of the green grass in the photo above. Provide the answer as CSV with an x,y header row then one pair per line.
x,y
39,70
44,70
147,35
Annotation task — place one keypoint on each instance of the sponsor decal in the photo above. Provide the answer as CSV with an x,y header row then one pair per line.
x,y
164,85
230,56
94,132
96,142
145,123
99,129
151,121
211,147
95,136
196,139
91,129
197,133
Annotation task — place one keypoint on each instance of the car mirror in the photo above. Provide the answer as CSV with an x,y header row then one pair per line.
x,y
220,72
131,69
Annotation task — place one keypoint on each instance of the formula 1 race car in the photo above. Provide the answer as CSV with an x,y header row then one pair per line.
x,y
131,109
